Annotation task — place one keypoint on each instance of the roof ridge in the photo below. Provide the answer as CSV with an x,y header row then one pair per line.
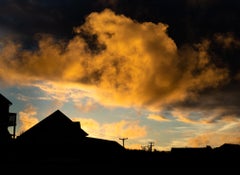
x,y
4,98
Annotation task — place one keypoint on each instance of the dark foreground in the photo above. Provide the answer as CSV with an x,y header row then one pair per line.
x,y
61,157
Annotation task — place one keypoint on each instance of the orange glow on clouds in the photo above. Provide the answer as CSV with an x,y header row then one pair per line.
x,y
27,118
123,128
139,67
157,118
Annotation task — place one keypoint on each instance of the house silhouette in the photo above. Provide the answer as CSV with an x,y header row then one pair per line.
x,y
57,128
7,119
58,138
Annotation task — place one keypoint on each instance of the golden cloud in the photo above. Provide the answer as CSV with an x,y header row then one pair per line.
x,y
139,65
123,128
27,118
89,105
158,118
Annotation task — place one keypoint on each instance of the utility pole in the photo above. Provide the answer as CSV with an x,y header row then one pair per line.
x,y
123,139
151,144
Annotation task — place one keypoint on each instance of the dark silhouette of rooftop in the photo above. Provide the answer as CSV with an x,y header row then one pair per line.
x,y
56,128
4,100
60,138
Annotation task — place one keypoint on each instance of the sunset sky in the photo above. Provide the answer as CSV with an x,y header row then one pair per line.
x,y
161,71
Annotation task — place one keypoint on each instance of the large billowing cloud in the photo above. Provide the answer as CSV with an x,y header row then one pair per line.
x,y
120,61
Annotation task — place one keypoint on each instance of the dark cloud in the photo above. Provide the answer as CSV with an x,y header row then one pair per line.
x,y
189,20
225,48
212,105
28,17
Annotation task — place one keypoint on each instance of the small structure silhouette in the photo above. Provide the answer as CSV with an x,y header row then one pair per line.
x,y
7,119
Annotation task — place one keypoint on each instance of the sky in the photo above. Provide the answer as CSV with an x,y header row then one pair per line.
x,y
163,72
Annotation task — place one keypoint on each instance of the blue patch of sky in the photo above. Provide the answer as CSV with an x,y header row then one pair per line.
x,y
23,97
100,113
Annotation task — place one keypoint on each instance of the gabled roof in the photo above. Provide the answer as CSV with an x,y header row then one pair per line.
x,y
4,100
55,128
